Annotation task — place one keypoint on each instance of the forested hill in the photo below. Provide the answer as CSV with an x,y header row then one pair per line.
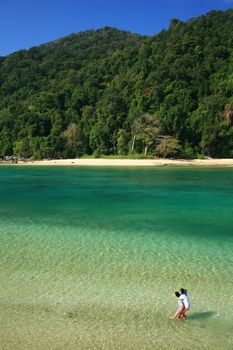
x,y
113,92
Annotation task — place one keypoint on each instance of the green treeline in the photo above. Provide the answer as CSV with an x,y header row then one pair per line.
x,y
108,92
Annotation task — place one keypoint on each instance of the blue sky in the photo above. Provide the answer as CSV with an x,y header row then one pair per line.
x,y
27,23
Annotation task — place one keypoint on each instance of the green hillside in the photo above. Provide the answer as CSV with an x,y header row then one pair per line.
x,y
113,92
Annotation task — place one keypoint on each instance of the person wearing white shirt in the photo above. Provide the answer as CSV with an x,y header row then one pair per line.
x,y
184,298
180,311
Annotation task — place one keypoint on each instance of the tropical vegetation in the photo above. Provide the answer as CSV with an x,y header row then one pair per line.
x,y
111,92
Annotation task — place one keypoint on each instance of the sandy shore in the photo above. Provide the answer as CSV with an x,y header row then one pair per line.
x,y
132,162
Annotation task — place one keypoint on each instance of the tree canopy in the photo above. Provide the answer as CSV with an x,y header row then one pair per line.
x,y
109,91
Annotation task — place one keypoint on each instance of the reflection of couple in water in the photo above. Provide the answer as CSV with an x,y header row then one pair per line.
x,y
183,304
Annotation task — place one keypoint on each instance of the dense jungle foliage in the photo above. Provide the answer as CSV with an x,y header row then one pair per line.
x,y
113,92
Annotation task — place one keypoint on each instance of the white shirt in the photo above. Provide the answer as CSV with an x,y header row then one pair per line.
x,y
185,300
180,303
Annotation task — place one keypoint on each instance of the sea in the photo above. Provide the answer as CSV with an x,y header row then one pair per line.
x,y
90,257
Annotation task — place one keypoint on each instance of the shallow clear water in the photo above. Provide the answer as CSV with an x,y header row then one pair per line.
x,y
90,258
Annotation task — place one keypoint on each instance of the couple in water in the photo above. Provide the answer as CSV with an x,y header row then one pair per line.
x,y
183,304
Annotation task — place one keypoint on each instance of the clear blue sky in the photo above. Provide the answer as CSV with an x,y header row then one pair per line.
x,y
27,23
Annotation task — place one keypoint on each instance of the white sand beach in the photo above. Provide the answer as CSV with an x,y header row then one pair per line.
x,y
132,162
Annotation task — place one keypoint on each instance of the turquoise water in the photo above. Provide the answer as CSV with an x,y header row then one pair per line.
x,y
90,258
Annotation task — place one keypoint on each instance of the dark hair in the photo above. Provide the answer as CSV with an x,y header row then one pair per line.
x,y
183,291
177,294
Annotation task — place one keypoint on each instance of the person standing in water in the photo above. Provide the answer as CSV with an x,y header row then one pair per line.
x,y
181,308
185,300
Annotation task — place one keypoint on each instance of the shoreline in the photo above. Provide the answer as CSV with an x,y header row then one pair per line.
x,y
127,162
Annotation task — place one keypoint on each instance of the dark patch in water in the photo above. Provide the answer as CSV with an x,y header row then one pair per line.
x,y
201,315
